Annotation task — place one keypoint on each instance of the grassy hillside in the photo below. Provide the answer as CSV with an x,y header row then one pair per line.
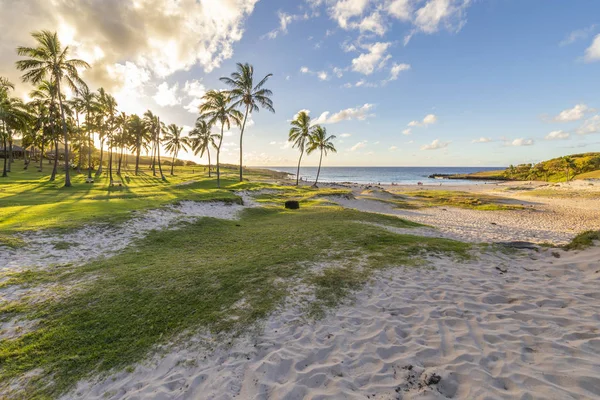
x,y
561,169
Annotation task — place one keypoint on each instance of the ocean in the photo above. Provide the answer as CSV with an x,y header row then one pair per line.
x,y
383,175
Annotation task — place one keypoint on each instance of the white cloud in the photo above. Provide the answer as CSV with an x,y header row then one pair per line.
x,y
577,35
522,142
167,96
393,148
285,20
482,140
407,131
359,113
338,72
373,23
449,13
590,126
396,69
592,53
343,10
272,143
304,70
435,145
429,119
557,135
359,145
345,135
400,9
572,114
322,75
375,58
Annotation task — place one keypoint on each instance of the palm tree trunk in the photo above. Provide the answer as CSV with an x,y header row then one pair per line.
x,y
55,168
64,129
319,170
42,154
218,154
120,159
10,150
242,143
99,170
137,157
173,163
154,157
110,155
89,147
298,170
4,170
158,150
208,151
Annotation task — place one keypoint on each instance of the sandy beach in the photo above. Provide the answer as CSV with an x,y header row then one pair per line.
x,y
506,324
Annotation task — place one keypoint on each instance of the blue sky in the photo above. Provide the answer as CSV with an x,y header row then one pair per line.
x,y
403,82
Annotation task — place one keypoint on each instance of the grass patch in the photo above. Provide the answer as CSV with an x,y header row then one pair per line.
x,y
173,282
11,241
437,198
583,240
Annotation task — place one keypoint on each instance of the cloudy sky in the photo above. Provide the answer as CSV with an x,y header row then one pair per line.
x,y
399,82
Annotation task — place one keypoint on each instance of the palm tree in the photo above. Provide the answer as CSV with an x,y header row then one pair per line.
x,y
174,142
319,140
13,116
45,97
49,58
155,127
245,94
105,119
141,138
89,102
202,139
217,107
299,135
121,122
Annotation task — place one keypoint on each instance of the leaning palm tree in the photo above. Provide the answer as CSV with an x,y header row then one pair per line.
x,y
50,59
202,139
217,107
245,94
320,141
299,135
174,142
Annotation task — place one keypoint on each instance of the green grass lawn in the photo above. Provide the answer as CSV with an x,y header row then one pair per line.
x,y
28,201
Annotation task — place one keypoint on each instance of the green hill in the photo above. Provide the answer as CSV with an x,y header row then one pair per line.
x,y
575,166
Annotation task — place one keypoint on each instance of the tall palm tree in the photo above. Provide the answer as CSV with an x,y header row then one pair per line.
x,y
88,100
174,142
217,107
202,139
50,59
45,96
121,122
569,165
142,138
105,119
245,94
155,127
299,135
320,141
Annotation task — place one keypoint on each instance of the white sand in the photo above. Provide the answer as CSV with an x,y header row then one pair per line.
x,y
525,334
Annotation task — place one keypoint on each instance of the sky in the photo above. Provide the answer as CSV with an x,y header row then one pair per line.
x,y
398,82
